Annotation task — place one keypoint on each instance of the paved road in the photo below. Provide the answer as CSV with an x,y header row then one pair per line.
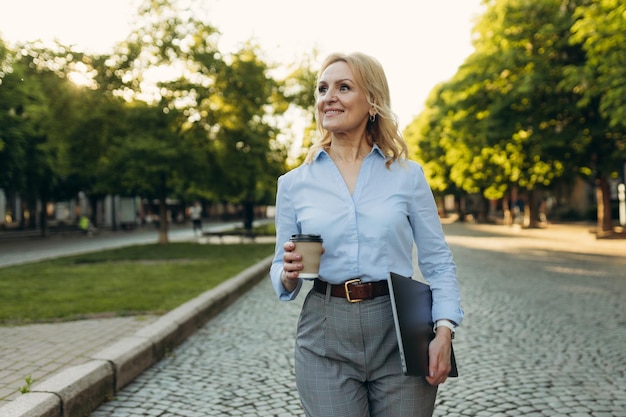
x,y
15,251
544,335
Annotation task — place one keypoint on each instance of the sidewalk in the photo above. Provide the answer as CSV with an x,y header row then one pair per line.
x,y
569,237
18,249
37,351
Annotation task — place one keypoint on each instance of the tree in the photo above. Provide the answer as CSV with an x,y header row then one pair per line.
x,y
249,155
454,136
31,151
205,119
600,82
531,115
165,115
507,119
14,130
165,71
299,90
601,30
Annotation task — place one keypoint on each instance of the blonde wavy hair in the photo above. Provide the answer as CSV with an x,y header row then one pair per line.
x,y
383,131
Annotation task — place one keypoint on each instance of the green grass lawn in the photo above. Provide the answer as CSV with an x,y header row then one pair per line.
x,y
146,279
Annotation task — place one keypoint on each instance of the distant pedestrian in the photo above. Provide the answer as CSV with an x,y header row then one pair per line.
x,y
195,212
86,226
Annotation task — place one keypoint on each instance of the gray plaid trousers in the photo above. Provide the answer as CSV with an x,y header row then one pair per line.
x,y
348,363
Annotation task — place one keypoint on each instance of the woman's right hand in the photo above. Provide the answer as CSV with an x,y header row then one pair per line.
x,y
292,264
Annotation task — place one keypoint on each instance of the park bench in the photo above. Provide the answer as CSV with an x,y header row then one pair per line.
x,y
242,234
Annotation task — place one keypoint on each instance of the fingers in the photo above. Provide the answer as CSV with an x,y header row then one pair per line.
x,y
437,377
438,373
439,365
291,261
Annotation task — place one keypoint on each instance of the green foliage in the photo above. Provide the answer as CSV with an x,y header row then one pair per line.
x,y
601,30
25,389
168,115
204,130
165,115
22,120
247,162
533,104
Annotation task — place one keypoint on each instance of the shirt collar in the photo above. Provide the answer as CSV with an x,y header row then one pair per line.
x,y
375,148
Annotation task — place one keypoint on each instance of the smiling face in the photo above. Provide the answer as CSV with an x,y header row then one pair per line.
x,y
342,106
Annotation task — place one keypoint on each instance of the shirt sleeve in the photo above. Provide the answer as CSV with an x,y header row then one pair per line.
x,y
435,258
285,227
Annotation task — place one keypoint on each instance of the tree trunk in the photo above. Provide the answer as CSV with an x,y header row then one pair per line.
x,y
113,214
93,203
43,222
248,215
163,220
506,209
603,197
459,201
483,213
532,212
43,216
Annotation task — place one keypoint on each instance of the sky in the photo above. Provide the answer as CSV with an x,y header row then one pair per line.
x,y
420,43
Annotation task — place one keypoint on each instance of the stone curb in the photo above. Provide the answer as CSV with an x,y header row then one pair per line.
x,y
78,390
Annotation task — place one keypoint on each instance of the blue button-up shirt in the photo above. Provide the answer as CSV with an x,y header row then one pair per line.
x,y
370,233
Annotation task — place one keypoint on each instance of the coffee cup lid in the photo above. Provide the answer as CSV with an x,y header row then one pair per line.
x,y
306,238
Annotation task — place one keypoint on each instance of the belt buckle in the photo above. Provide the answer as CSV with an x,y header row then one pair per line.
x,y
348,283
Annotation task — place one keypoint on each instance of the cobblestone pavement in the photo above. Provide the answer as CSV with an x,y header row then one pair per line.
x,y
544,335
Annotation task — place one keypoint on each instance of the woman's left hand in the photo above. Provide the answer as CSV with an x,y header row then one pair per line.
x,y
439,350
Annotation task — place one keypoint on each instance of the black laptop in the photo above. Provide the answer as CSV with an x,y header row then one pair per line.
x,y
412,304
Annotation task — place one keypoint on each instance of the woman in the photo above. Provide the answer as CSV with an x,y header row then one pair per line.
x,y
369,203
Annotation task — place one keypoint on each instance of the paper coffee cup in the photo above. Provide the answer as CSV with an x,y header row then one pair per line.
x,y
310,247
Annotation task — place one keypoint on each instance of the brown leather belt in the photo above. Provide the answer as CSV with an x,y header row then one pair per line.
x,y
353,290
